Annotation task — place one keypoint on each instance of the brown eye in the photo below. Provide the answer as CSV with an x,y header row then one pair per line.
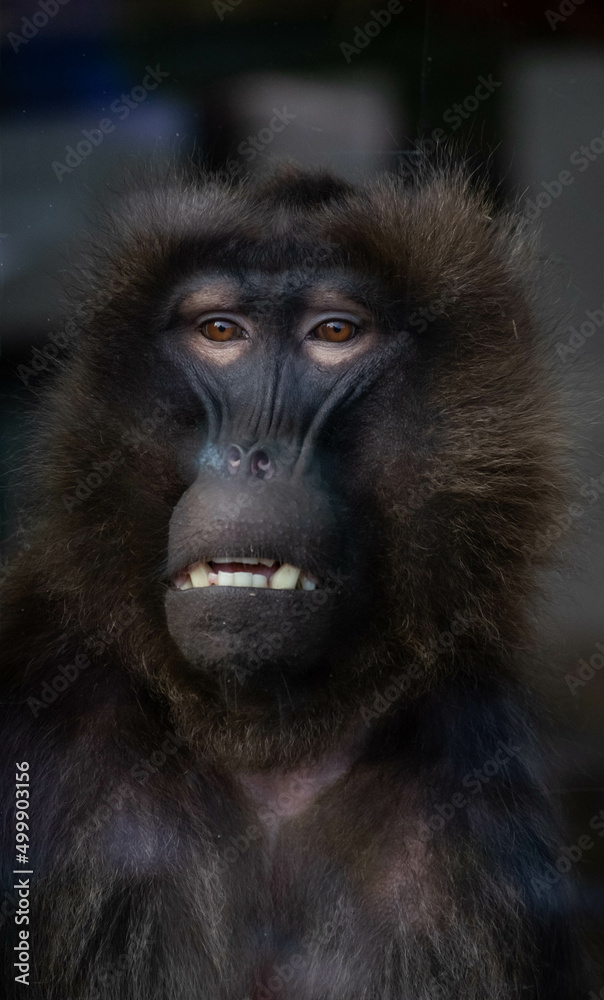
x,y
336,331
221,329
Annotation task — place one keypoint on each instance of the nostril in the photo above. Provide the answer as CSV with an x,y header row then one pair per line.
x,y
234,459
261,465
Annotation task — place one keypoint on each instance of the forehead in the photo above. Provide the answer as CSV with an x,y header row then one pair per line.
x,y
290,289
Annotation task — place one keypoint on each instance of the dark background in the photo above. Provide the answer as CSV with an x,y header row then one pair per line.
x,y
229,65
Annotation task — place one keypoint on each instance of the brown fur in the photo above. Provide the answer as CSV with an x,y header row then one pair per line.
x,y
411,913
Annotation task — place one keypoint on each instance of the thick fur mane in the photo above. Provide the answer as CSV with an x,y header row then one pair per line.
x,y
484,486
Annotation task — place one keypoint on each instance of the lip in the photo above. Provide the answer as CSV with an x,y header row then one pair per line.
x,y
246,633
273,599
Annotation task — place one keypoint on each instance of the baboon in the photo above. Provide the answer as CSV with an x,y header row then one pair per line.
x,y
266,649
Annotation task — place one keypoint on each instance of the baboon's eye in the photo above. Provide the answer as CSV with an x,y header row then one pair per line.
x,y
221,329
335,331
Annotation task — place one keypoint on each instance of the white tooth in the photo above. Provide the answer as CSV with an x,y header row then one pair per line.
x,y
259,581
225,579
285,578
187,585
222,559
246,560
242,579
266,562
307,584
199,575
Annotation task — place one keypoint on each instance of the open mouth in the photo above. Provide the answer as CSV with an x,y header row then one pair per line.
x,y
243,571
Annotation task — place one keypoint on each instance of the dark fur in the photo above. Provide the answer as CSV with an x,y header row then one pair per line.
x,y
134,902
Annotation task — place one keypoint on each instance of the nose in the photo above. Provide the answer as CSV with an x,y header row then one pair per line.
x,y
256,462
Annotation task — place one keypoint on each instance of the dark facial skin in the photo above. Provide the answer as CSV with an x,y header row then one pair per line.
x,y
272,468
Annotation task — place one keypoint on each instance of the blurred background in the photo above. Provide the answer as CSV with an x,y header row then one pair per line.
x,y
93,89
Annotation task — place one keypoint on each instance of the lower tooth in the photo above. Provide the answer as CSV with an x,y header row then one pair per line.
x,y
242,579
225,579
307,584
259,581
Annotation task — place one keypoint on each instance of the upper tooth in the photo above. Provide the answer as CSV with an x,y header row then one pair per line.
x,y
285,578
199,575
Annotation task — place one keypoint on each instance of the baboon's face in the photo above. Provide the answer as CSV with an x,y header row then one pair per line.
x,y
352,451
300,395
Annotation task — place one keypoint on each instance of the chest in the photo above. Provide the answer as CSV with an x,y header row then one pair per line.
x,y
329,889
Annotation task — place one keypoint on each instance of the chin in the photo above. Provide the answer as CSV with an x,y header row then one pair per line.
x,y
289,627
